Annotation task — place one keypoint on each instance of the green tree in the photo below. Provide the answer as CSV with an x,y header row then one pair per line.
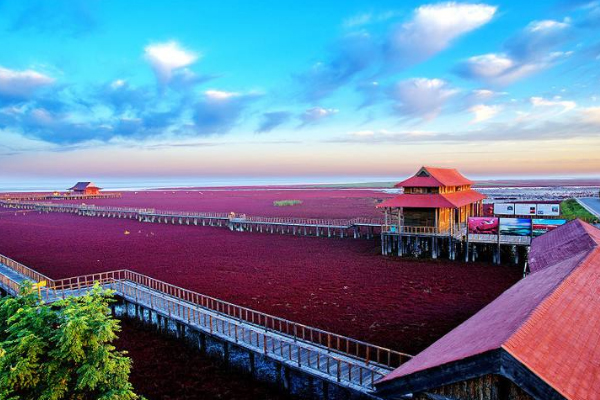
x,y
63,350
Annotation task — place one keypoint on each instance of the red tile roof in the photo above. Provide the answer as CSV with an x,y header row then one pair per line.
x,y
446,200
437,177
548,321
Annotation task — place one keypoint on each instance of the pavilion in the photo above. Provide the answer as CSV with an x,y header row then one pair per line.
x,y
434,200
85,188
430,216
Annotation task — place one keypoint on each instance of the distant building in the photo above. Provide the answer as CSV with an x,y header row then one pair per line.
x,y
85,188
538,340
434,200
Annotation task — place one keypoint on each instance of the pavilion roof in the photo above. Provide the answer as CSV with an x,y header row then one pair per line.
x,y
548,322
435,177
83,186
438,200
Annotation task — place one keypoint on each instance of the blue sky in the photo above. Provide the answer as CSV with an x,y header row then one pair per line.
x,y
276,88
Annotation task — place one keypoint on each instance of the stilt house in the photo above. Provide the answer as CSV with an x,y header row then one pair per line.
x,y
434,201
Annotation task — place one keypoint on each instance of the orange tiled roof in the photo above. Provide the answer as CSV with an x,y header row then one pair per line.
x,y
437,177
445,200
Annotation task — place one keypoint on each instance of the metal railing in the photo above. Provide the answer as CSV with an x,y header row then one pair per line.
x,y
23,270
233,217
332,342
415,230
186,214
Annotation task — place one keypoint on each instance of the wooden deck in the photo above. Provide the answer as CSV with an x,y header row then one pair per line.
x,y
337,359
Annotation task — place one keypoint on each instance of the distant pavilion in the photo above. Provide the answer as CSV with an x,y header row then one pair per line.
x,y
434,201
85,188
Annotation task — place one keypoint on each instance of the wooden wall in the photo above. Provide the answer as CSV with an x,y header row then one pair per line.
x,y
487,387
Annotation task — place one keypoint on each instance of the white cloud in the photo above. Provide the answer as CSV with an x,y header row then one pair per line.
x,y
316,114
363,133
168,57
421,97
117,83
484,112
21,84
501,69
547,25
483,93
220,94
557,101
531,50
369,18
434,27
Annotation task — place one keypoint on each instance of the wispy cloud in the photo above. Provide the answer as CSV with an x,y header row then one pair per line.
x,y
271,120
565,105
432,29
168,59
530,51
316,114
421,97
358,55
367,18
350,55
218,111
482,112
21,85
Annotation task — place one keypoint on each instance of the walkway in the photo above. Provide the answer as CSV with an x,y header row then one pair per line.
x,y
337,359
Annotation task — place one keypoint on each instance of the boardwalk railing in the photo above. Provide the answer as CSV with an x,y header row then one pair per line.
x,y
414,230
59,196
330,342
232,217
23,270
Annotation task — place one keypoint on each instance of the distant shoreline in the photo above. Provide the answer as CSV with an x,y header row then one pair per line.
x,y
501,183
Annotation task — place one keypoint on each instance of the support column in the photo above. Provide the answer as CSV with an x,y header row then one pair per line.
x,y
252,360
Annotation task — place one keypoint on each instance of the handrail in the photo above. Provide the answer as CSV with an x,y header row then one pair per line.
x,y
333,342
23,270
232,217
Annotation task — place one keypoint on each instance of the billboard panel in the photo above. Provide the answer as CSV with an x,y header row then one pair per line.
x,y
541,226
525,209
504,209
483,225
548,209
515,226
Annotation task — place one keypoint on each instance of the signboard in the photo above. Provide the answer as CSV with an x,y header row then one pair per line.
x,y
483,225
504,209
541,226
515,226
525,209
548,209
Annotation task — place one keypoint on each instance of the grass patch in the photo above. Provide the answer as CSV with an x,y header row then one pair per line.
x,y
286,203
571,209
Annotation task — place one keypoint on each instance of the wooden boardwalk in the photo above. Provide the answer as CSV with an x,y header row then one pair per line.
x,y
356,227
58,196
340,360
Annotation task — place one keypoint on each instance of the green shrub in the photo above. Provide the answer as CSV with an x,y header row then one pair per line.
x,y
286,203
63,350
571,209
